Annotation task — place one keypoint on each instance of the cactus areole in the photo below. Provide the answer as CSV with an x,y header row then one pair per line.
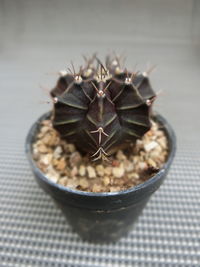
x,y
103,107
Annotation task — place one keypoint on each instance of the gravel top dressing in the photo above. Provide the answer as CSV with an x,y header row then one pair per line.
x,y
62,163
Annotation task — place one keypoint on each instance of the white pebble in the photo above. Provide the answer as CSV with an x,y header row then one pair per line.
x,y
57,152
148,147
82,170
120,155
118,172
91,172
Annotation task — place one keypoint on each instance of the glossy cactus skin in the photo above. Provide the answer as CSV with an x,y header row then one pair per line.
x,y
102,108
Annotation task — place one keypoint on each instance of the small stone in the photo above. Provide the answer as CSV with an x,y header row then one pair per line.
x,y
46,159
91,172
83,183
100,170
61,165
162,141
142,165
135,159
106,180
42,149
150,146
118,172
42,167
63,181
135,175
44,129
118,181
115,188
47,139
71,148
128,165
46,122
36,154
138,182
75,158
74,171
55,162
139,142
52,174
120,155
54,141
160,133
50,139
57,152
82,170
72,183
115,163
155,154
96,188
152,163
108,171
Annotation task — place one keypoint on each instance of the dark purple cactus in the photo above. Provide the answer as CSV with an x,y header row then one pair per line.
x,y
102,108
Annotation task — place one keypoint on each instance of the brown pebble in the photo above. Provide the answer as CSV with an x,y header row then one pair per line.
x,y
83,182
74,171
75,158
108,170
96,188
47,139
120,155
44,129
53,139
63,181
46,122
72,183
115,188
61,165
115,163
42,149
71,148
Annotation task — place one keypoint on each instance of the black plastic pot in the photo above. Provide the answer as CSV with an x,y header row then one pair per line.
x,y
101,217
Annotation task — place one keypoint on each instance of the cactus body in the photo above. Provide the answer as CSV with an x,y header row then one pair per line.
x,y
101,109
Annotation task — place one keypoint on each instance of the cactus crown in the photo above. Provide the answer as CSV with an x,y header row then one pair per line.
x,y
102,107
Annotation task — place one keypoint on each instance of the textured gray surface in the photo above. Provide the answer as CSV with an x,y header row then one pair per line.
x,y
42,36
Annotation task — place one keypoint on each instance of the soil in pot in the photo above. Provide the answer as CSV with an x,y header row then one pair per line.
x,y
63,164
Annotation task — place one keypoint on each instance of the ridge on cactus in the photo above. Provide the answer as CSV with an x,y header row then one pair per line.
x,y
102,108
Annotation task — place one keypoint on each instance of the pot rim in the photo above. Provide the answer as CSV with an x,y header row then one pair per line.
x,y
135,189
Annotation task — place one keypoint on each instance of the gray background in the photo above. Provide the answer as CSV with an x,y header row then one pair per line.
x,y
38,38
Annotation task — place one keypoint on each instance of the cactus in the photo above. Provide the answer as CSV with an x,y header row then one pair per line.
x,y
102,107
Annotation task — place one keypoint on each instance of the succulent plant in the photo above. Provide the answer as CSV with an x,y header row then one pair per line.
x,y
102,108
